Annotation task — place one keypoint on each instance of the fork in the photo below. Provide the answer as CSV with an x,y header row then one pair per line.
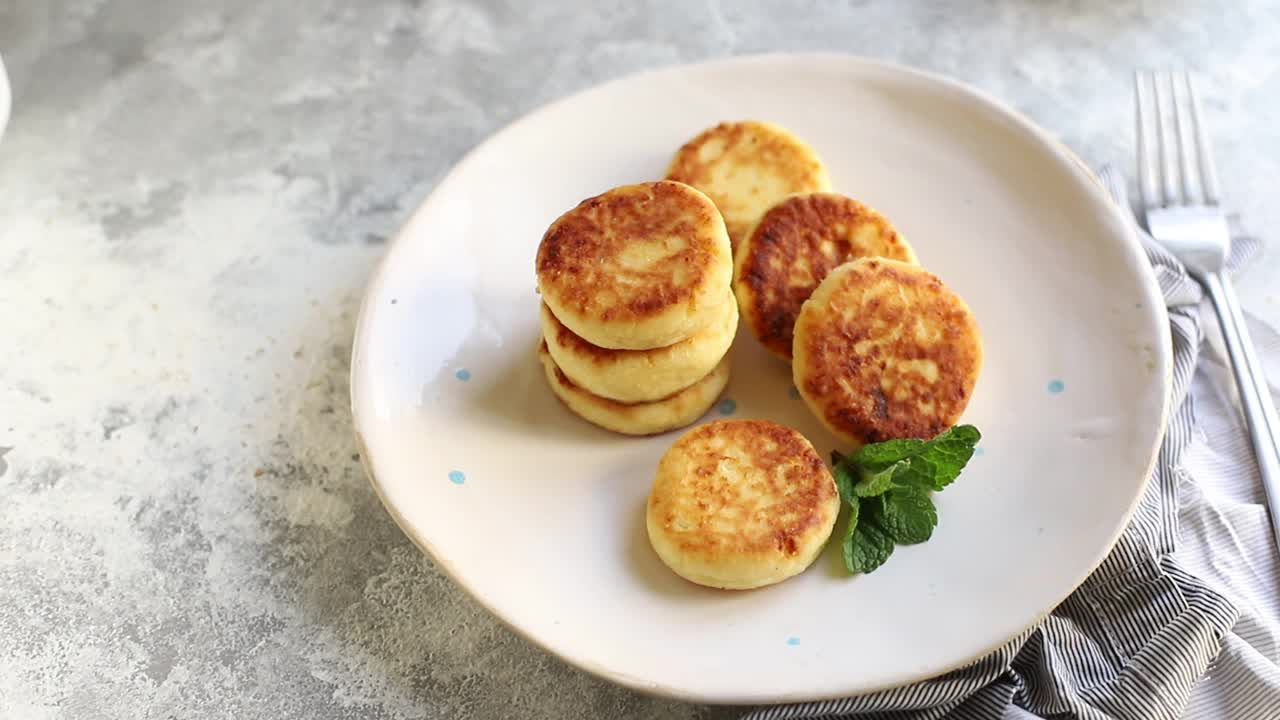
x,y
1182,202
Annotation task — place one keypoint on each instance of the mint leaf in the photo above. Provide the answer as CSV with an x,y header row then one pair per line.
x,y
906,514
875,483
867,548
949,452
879,455
850,528
845,480
917,472
931,465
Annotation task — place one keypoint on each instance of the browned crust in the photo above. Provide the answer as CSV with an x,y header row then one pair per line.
x,y
848,385
617,407
610,404
794,246
776,518
567,339
764,146
577,259
597,355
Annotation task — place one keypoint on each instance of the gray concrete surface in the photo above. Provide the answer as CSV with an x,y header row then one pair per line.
x,y
192,195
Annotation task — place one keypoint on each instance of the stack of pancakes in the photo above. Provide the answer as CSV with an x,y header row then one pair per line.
x,y
638,313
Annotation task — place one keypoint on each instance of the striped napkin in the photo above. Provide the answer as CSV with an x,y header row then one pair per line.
x,y
1182,620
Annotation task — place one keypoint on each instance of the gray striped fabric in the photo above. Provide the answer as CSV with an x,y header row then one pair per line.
x,y
1137,638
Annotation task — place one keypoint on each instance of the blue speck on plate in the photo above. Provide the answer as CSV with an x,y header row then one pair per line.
x,y
457,477
979,452
726,406
463,374
1057,386
793,641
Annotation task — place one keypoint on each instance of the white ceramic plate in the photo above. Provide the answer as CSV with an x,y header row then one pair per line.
x,y
540,515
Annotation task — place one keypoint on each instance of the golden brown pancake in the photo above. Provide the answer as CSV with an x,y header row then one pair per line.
x,y
746,167
638,267
739,504
648,418
632,376
885,350
792,248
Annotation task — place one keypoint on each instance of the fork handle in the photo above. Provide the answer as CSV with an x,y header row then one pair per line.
x,y
1255,395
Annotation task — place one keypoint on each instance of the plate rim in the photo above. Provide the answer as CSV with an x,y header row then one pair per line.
x,y
1149,284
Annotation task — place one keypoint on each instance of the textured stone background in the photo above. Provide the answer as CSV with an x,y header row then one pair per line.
x,y
191,197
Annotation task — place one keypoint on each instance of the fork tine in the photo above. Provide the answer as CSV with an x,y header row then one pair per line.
x,y
1164,126
1145,136
1208,173
1184,133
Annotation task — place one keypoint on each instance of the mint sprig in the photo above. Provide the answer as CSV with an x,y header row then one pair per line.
x,y
887,488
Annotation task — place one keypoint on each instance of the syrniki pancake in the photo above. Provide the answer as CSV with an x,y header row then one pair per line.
x,y
649,418
792,248
740,504
745,167
638,267
885,350
632,376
